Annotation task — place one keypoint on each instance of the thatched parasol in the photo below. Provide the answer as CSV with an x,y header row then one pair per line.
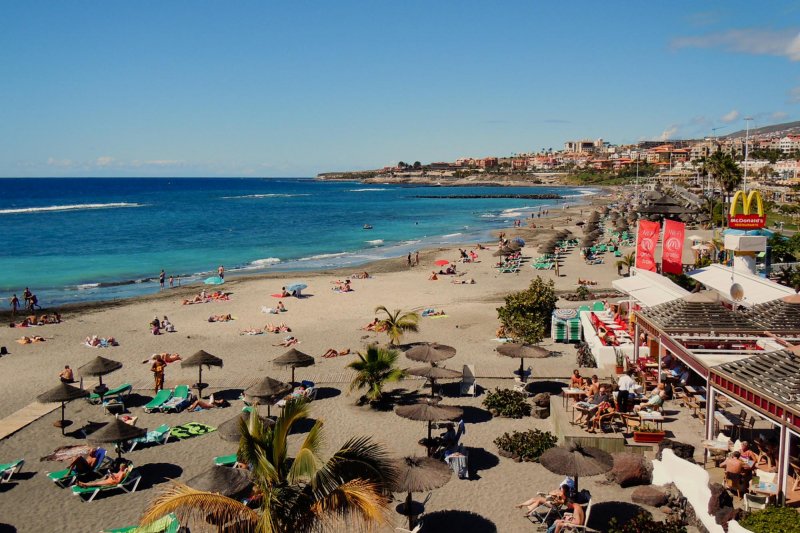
x,y
419,474
575,460
430,352
99,366
429,411
62,393
231,429
117,432
432,373
222,480
522,352
267,389
514,246
200,359
503,250
295,359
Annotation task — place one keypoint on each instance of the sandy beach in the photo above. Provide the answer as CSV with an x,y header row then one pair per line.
x,y
321,320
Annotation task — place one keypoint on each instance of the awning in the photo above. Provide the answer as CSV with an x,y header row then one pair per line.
x,y
649,288
757,290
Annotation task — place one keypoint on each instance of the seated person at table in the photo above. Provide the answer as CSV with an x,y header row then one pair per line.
x,y
733,464
575,381
574,517
747,453
110,479
200,404
655,401
589,408
554,497
85,464
591,386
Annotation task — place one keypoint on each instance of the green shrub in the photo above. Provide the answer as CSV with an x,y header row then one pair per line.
x,y
526,314
507,403
772,520
644,523
527,445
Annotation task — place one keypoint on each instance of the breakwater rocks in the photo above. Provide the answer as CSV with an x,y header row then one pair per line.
x,y
481,196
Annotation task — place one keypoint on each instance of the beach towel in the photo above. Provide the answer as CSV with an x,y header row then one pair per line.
x,y
192,429
277,295
436,316
67,453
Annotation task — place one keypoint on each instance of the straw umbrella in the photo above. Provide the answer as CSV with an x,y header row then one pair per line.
x,y
222,480
575,460
99,366
503,250
267,389
231,429
62,393
116,432
294,358
419,474
432,373
200,359
429,411
522,352
430,352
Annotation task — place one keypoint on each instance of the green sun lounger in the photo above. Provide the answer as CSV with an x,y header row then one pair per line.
x,y
226,460
166,524
160,399
160,435
123,389
64,478
179,400
9,469
128,484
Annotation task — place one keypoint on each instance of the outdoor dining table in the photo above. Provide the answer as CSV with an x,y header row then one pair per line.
x,y
571,393
767,489
694,389
714,446
654,416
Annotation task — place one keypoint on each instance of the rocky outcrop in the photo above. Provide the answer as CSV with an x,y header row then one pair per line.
x,y
631,469
648,495
541,405
681,449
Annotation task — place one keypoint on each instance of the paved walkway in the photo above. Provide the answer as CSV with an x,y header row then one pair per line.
x,y
28,414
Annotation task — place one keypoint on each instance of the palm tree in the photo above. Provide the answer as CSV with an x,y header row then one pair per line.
x,y
304,493
397,323
375,368
726,173
627,261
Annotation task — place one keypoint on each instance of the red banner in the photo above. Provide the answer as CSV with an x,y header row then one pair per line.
x,y
646,240
672,249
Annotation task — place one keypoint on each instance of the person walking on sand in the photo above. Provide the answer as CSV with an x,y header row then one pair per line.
x,y
161,277
171,282
158,372
416,258
221,272
409,259
14,305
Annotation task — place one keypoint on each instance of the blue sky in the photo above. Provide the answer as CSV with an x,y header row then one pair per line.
x,y
209,88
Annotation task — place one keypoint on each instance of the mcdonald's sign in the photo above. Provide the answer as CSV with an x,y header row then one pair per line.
x,y
747,219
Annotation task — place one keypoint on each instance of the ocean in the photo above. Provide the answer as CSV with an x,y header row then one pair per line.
x,y
83,239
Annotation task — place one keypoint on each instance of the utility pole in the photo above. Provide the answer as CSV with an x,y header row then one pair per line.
x,y
746,145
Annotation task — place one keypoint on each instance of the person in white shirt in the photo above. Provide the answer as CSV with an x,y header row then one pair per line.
x,y
627,386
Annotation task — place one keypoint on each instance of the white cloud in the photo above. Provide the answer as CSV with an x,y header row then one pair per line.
x,y
756,41
669,132
779,115
60,163
730,116
103,161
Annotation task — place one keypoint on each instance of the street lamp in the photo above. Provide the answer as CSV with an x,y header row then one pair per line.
x,y
746,151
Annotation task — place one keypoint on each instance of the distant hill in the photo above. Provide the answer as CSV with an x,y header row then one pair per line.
x,y
786,126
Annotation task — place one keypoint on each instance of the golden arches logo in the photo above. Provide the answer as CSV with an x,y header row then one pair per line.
x,y
747,219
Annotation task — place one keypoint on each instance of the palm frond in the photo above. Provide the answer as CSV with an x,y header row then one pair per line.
x,y
307,462
357,502
191,505
296,409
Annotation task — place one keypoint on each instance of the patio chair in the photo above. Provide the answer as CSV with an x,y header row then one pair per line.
x,y
9,469
468,384
160,435
122,390
165,524
585,527
64,478
158,400
735,482
226,460
128,484
796,473
181,398
754,502
547,513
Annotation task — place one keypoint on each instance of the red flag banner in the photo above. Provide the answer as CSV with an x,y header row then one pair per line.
x,y
646,240
672,249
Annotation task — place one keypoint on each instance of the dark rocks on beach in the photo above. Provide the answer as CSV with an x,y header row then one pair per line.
x,y
720,499
541,405
725,515
681,449
631,469
648,495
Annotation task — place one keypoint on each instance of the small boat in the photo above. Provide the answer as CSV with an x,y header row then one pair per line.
x,y
367,226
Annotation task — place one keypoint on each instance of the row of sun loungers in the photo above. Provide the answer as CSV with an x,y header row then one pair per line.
x,y
169,400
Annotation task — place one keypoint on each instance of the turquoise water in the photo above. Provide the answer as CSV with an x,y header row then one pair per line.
x,y
90,239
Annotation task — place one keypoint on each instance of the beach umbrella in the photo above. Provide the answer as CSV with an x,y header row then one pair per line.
x,y
419,474
99,367
200,359
231,429
513,246
116,432
503,250
296,287
214,280
223,480
430,352
700,247
575,460
294,358
62,393
432,373
429,411
519,240
441,262
695,238
522,352
267,389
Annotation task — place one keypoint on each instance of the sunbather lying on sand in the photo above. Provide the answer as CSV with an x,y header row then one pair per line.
x,y
165,357
586,282
251,331
281,328
361,275
30,340
289,341
431,312
372,325
96,342
200,404
333,353
463,281
25,323
220,318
